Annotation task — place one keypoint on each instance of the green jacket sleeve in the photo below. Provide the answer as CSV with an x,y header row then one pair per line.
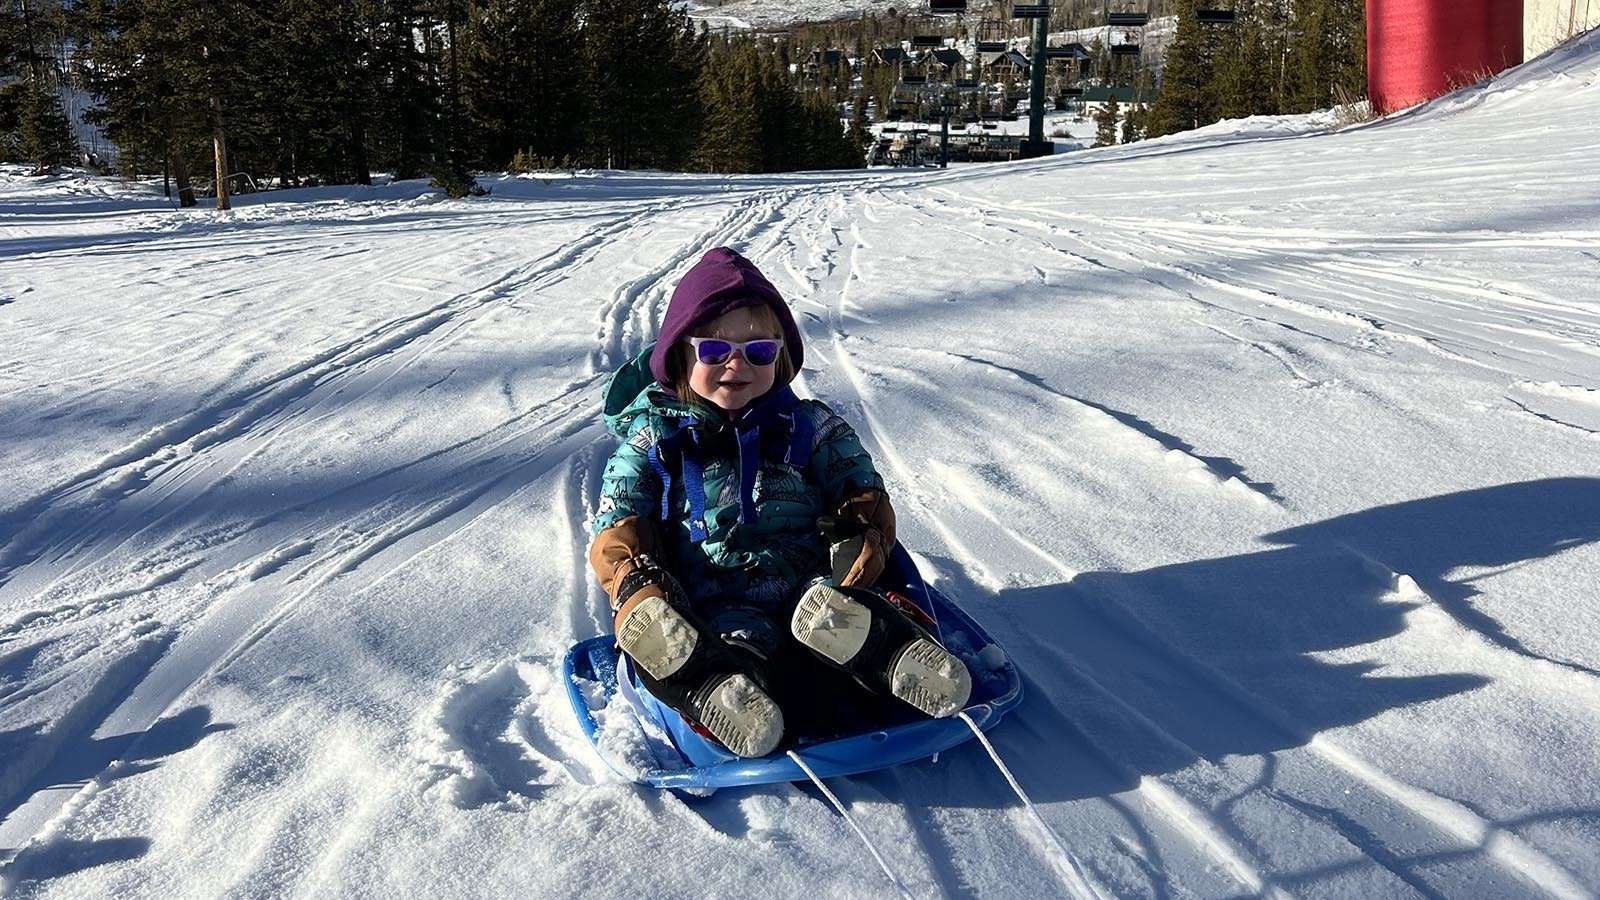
x,y
839,464
630,486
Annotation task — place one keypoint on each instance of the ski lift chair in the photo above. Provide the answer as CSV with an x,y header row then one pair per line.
x,y
1214,16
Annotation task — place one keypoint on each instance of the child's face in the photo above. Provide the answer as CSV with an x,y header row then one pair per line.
x,y
735,383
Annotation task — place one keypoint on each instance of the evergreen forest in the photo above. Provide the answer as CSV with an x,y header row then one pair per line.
x,y
228,95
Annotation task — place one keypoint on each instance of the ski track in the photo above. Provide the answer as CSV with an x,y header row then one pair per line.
x,y
490,745
262,581
1344,265
1126,247
1139,648
969,516
1451,823
475,474
170,455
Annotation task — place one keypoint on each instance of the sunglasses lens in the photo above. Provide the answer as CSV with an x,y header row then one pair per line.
x,y
762,353
714,353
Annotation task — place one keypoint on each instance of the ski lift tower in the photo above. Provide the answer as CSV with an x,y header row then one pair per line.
x,y
1039,13
945,99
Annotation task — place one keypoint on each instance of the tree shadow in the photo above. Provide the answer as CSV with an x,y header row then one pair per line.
x,y
1128,674
76,762
108,759
58,858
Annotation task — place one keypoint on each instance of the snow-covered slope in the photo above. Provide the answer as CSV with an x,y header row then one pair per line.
x,y
1269,455
742,15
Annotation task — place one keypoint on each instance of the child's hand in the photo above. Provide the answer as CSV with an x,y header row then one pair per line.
x,y
872,511
622,559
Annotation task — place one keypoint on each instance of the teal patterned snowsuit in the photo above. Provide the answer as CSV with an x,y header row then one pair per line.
x,y
758,561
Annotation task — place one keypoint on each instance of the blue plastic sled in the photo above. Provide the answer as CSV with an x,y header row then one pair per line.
x,y
686,760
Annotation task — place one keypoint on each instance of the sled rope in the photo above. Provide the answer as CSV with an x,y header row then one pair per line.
x,y
1080,885
900,886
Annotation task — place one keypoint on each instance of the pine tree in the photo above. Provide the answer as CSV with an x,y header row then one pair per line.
x,y
408,112
731,138
860,133
138,60
450,169
1307,81
1327,53
1243,75
642,60
556,103
1185,100
1347,47
11,95
34,126
46,135
1133,123
327,87
12,41
1105,121
758,120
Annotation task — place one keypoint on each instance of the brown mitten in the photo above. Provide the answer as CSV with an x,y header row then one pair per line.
x,y
871,510
621,557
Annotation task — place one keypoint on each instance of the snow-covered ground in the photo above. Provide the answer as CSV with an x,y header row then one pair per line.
x,y
744,15
1269,455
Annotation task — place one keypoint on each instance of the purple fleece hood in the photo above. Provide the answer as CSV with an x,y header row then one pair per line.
x,y
720,282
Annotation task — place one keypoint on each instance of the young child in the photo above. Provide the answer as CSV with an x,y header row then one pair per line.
x,y
707,539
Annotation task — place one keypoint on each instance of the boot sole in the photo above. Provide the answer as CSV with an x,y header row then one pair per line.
x,y
657,638
742,717
930,678
829,622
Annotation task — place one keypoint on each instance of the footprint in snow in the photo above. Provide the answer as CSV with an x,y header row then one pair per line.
x,y
487,742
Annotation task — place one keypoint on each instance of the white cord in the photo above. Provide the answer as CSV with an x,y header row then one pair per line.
x,y
1081,887
847,817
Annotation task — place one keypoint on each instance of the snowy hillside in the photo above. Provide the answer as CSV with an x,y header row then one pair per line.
x,y
1269,455
740,15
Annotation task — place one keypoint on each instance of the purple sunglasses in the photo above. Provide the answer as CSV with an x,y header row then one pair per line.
x,y
716,351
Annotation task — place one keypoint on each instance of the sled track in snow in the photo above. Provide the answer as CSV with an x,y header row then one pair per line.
x,y
300,555
1375,272
1500,856
174,453
293,555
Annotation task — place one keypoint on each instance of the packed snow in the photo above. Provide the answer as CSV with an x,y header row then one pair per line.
x,y
1268,453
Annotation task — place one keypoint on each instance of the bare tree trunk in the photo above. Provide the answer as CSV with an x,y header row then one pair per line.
x,y
33,50
180,172
220,140
358,147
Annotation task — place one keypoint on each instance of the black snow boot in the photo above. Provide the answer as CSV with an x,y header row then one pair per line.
x,y
686,665
862,633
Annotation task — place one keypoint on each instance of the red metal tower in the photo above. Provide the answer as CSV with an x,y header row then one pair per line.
x,y
1420,49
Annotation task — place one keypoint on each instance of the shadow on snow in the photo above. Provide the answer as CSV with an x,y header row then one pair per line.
x,y
88,758
1140,673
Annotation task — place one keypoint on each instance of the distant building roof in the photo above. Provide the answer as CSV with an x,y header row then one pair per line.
x,y
1123,95
1067,51
891,55
1009,59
